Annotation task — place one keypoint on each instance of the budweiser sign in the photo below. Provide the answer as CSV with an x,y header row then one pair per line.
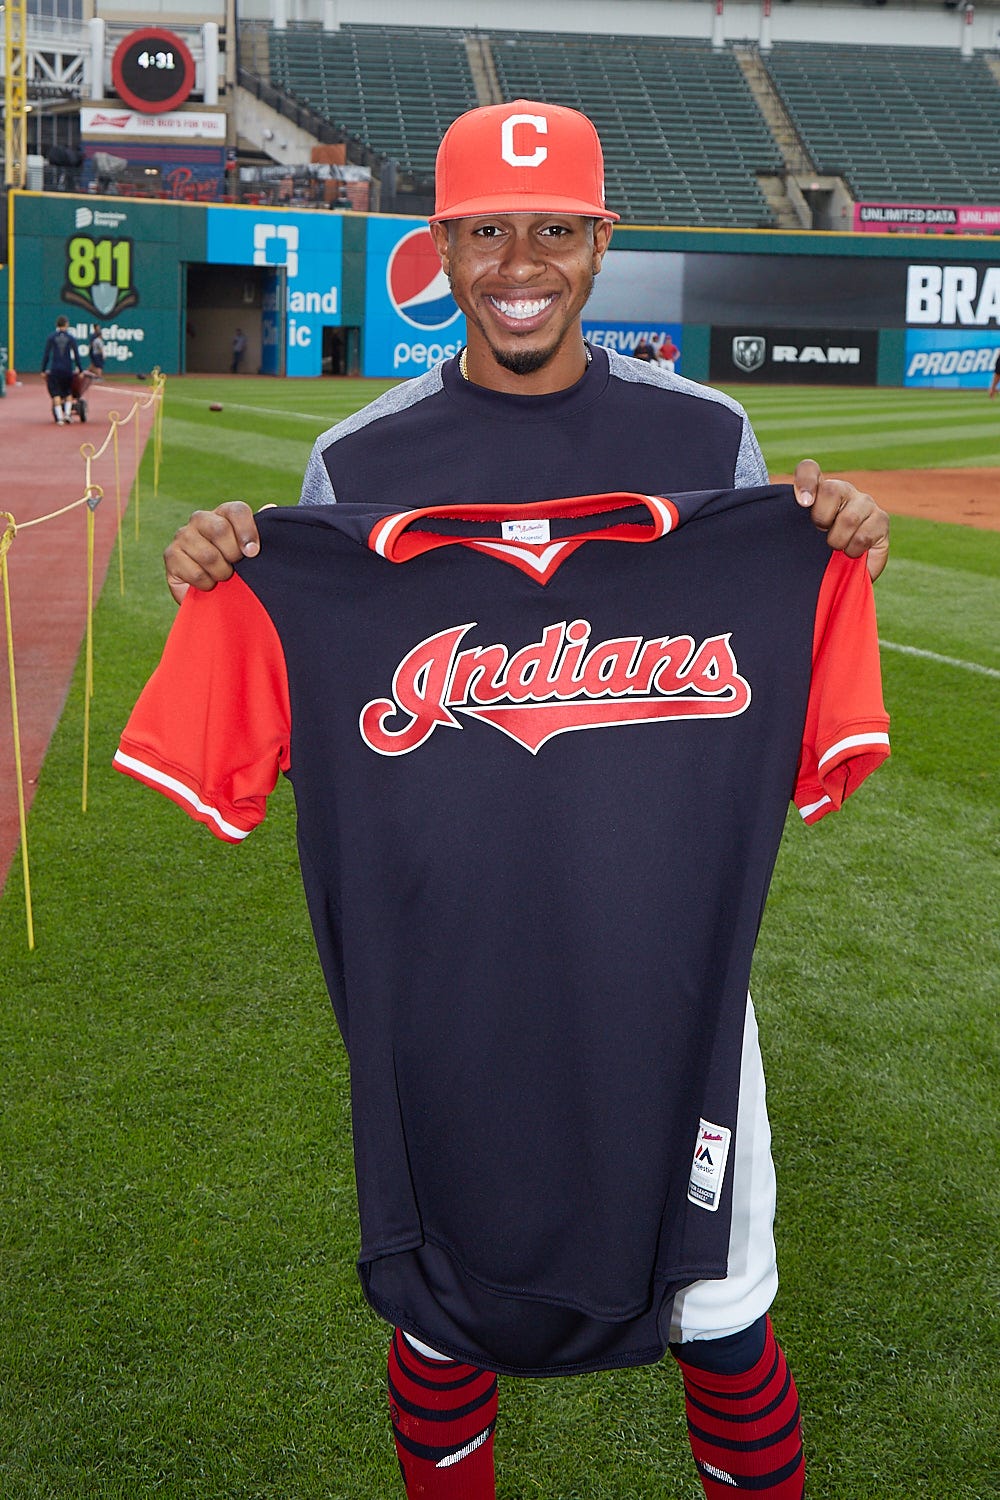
x,y
562,682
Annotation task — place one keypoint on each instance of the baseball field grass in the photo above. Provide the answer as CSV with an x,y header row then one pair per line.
x,y
179,1313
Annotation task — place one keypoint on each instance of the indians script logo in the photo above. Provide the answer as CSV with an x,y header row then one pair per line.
x,y
748,351
562,682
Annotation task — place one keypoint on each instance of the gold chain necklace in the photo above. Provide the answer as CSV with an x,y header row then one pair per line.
x,y
463,360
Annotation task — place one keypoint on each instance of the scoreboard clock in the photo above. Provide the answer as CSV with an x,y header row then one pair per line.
x,y
153,70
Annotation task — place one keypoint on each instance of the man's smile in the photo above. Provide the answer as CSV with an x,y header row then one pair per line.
x,y
522,308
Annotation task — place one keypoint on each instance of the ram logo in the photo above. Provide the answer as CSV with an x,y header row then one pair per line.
x,y
816,354
749,350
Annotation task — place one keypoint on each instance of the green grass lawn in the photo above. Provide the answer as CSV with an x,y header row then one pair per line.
x,y
179,1313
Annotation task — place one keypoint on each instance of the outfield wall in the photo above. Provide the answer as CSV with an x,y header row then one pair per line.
x,y
352,293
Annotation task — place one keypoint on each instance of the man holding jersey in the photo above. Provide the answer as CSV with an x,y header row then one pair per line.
x,y
529,413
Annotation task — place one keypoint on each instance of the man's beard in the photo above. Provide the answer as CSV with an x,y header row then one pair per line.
x,y
523,361
526,361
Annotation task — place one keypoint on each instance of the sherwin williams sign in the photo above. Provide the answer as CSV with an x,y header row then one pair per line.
x,y
626,338
411,319
308,247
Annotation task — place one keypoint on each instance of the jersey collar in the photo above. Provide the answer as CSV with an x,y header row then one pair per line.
x,y
522,534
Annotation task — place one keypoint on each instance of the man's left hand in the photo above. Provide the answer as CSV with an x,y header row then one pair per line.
x,y
851,519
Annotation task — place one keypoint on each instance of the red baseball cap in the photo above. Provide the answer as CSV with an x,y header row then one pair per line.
x,y
520,158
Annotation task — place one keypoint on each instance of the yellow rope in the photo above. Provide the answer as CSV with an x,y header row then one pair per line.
x,y
52,515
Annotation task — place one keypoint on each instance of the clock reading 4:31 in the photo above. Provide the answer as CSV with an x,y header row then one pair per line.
x,y
99,274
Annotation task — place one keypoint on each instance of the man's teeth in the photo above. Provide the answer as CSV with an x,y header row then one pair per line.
x,y
521,308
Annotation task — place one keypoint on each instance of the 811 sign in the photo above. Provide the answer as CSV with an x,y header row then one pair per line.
x,y
99,275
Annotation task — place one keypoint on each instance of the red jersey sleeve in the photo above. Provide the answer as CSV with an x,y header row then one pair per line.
x,y
212,726
846,729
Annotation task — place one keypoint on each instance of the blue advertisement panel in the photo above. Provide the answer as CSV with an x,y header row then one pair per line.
x,y
310,247
626,337
270,326
411,320
951,359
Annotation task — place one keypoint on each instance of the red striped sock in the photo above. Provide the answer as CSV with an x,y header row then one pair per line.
x,y
744,1430
443,1416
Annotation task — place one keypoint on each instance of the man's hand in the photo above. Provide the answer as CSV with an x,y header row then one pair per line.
x,y
852,521
204,552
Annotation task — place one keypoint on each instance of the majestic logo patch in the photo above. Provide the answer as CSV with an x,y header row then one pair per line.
x,y
561,683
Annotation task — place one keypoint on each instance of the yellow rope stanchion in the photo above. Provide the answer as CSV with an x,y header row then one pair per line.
x,y
10,531
118,507
93,498
159,381
134,413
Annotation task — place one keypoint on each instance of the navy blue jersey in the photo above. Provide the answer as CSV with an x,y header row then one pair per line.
x,y
624,425
62,353
542,757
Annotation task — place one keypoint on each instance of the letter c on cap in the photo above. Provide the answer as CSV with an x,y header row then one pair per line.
x,y
510,156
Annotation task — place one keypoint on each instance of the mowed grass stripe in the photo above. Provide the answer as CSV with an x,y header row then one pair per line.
x,y
973,425
927,447
861,398
873,428
947,661
245,445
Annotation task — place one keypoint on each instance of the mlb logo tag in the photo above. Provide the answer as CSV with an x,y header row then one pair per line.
x,y
533,532
749,350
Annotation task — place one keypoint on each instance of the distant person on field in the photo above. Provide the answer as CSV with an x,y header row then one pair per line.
x,y
239,350
59,361
96,351
668,352
996,377
645,351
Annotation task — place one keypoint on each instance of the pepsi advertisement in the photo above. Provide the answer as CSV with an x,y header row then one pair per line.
x,y
411,319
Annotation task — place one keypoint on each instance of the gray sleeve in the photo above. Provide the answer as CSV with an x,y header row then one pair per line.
x,y
750,466
316,486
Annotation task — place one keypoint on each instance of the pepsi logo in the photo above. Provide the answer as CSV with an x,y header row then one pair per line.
x,y
417,286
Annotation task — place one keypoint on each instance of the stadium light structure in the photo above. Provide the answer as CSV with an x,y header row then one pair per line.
x,y
15,131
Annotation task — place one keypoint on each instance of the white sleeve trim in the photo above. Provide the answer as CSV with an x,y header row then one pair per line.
x,y
171,784
851,743
807,812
